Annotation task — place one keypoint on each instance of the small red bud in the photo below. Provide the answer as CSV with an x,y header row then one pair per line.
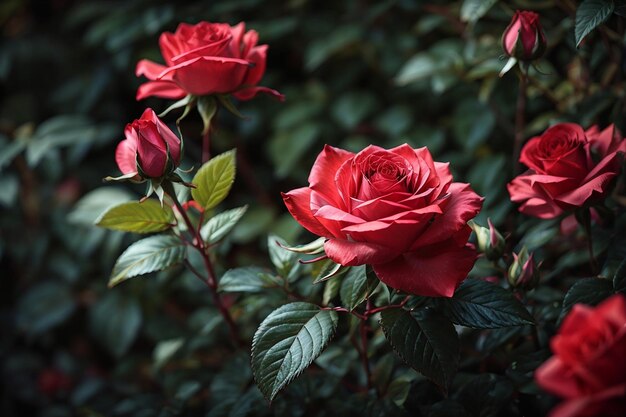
x,y
523,38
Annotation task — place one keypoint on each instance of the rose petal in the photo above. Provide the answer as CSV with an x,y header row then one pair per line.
x,y
462,205
257,59
428,273
321,178
555,377
248,93
151,157
250,40
125,156
535,200
170,138
608,403
163,89
151,70
207,75
298,203
349,253
378,207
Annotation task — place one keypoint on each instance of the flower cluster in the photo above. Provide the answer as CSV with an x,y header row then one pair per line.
x,y
398,211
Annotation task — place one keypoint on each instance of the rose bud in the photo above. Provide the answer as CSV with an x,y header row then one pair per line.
x,y
150,150
523,38
523,273
490,241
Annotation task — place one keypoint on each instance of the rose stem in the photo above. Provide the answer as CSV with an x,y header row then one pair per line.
x,y
586,220
364,360
250,176
206,144
519,118
210,281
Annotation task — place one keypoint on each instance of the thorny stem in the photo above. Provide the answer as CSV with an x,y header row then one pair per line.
x,y
363,329
364,359
209,280
519,118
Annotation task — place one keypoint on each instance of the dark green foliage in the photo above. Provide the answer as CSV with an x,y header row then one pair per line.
x,y
354,73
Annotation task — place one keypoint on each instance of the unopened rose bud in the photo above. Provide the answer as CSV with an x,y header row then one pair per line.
x,y
150,150
523,38
523,272
490,241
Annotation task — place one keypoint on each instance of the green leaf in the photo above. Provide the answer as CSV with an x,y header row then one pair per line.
x,y
619,279
482,305
356,286
590,291
246,279
221,224
214,180
420,66
44,307
352,108
133,216
589,15
328,270
472,10
331,289
115,321
97,202
283,259
486,395
287,341
426,341
154,253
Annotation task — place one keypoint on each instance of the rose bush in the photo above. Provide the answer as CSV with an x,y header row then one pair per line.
x,y
588,368
206,58
563,174
150,149
397,210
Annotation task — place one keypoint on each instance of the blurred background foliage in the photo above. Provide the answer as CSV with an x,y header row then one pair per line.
x,y
355,72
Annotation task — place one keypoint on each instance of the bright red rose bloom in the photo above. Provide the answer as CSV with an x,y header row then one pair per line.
x,y
396,210
524,38
563,174
588,368
150,149
206,58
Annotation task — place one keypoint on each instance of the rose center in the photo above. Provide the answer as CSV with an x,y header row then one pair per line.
x,y
557,146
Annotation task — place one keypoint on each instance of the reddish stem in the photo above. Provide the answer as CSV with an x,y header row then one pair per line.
x,y
364,359
210,280
520,120
206,145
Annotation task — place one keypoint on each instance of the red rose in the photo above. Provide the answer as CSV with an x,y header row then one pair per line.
x,y
524,38
588,368
150,149
396,210
206,58
563,175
